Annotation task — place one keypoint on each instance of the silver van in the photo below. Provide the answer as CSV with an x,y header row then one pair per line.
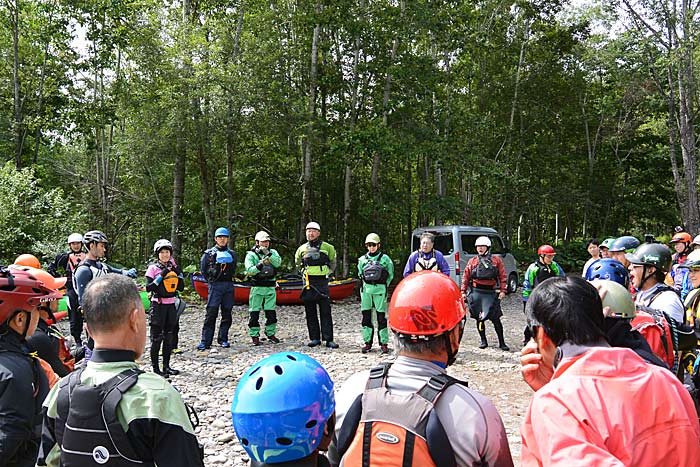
x,y
456,243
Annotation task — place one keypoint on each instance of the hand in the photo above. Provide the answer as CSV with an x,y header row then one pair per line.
x,y
464,297
260,265
131,273
263,250
501,295
535,372
165,271
266,260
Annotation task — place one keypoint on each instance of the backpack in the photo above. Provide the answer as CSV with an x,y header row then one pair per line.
x,y
374,272
659,330
389,430
485,269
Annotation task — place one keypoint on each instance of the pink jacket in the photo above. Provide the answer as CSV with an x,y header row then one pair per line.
x,y
607,407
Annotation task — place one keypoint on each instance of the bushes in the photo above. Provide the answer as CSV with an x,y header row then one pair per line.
x,y
34,219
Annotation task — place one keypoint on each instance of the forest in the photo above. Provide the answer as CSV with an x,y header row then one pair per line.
x,y
551,121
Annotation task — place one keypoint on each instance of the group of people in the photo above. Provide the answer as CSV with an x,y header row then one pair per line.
x,y
589,359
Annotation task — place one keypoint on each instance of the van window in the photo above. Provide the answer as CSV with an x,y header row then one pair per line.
x,y
468,241
443,242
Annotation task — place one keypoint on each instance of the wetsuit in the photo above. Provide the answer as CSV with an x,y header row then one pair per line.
x,y
218,264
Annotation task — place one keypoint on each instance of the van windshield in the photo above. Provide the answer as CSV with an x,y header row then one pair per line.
x,y
468,241
443,242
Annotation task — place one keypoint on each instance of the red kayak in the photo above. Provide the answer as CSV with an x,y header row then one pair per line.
x,y
288,291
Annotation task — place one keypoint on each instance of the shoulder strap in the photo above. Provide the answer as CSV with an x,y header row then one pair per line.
x,y
115,388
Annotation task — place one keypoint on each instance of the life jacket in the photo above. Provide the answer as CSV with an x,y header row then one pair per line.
x,y
265,276
388,430
220,265
315,257
168,286
87,428
659,331
72,262
374,271
543,272
94,270
424,264
485,270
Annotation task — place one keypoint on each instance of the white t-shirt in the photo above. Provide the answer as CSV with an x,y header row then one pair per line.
x,y
667,301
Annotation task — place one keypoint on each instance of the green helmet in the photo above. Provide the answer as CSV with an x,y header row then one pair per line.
x,y
372,238
651,254
618,298
607,242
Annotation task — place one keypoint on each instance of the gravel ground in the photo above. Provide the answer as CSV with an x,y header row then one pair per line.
x,y
208,379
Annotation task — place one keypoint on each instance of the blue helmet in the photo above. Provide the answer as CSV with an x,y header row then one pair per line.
x,y
608,269
221,232
281,406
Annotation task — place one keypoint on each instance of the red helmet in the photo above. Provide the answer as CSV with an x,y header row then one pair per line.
x,y
20,289
28,260
427,304
546,250
681,237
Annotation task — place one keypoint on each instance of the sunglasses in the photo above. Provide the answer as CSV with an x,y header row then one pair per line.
x,y
371,244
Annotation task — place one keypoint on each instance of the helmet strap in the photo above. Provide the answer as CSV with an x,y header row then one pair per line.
x,y
645,276
28,314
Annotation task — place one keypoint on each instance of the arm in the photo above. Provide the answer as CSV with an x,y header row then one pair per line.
x,y
466,277
389,265
203,264
49,451
180,278
82,277
332,258
151,274
502,281
251,263
442,263
410,264
16,413
169,444
297,257
60,262
528,280
47,349
275,258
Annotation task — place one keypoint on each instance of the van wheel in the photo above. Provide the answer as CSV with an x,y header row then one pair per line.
x,y
512,282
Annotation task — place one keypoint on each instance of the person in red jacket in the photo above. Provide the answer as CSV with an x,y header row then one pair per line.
x,y
483,287
595,404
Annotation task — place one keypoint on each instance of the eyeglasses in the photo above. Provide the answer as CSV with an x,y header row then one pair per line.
x,y
371,244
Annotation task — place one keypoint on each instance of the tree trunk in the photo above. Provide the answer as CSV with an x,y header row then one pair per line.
x,y
17,99
306,202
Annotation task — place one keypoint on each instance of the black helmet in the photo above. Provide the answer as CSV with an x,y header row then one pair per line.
x,y
626,244
651,254
94,236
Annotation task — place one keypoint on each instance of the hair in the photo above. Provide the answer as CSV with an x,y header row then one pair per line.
x,y
429,236
568,309
108,300
435,345
593,241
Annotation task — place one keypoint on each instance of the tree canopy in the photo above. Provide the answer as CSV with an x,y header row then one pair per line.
x,y
151,119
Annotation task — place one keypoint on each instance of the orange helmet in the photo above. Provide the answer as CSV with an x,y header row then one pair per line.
x,y
53,283
546,250
424,305
681,237
28,260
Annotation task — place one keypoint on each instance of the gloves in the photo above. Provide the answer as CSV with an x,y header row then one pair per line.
x,y
165,271
259,266
263,250
130,273
266,260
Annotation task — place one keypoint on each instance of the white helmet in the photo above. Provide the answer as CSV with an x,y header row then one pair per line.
x,y
160,244
74,237
262,236
483,241
313,225
696,240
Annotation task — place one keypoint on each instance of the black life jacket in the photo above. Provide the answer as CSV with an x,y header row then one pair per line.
x,y
485,269
217,271
87,428
315,257
374,271
265,276
168,286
